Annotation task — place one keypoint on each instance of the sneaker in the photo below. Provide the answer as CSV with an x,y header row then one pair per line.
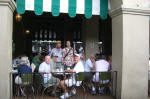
x,y
73,92
64,96
93,91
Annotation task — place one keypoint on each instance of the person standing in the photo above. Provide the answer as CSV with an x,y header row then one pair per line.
x,y
57,52
82,55
68,53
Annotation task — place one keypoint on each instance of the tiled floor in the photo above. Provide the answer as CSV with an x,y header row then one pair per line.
x,y
73,97
80,95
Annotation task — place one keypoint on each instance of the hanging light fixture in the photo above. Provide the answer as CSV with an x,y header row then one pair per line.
x,y
27,32
18,17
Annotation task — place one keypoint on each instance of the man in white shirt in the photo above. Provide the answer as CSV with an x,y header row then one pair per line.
x,y
89,68
82,55
100,66
89,65
45,69
71,81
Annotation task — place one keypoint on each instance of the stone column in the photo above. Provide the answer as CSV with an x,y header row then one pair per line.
x,y
130,47
90,35
6,23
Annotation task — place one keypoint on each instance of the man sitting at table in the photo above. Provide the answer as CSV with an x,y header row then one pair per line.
x,y
23,67
101,65
45,68
70,81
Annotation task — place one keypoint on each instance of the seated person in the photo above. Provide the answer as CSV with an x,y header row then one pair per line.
x,y
36,62
82,55
23,67
55,65
97,57
53,61
27,59
100,66
70,81
45,69
89,69
16,61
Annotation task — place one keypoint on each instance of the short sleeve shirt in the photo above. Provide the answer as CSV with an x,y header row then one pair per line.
x,y
88,65
68,56
44,67
57,53
79,67
101,66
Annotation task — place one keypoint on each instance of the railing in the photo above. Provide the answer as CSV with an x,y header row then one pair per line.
x,y
40,86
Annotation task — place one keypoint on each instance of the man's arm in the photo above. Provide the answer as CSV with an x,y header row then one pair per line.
x,y
93,67
71,71
42,72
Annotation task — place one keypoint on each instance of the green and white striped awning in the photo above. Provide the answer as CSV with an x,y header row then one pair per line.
x,y
72,7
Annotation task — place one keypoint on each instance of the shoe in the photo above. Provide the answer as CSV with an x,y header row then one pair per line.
x,y
93,92
73,92
64,96
53,94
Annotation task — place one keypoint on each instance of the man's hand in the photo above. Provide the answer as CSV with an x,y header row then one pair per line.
x,y
47,72
52,71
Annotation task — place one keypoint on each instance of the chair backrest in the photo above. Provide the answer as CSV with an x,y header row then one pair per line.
x,y
39,78
105,75
26,79
80,76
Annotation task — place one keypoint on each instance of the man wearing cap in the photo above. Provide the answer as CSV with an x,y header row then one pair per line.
x,y
57,52
70,81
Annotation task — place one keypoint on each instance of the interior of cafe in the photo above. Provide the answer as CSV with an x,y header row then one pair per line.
x,y
38,34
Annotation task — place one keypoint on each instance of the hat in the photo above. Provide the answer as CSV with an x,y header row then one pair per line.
x,y
58,42
24,60
77,55
80,49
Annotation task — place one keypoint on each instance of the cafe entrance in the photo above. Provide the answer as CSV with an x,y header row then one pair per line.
x,y
38,34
